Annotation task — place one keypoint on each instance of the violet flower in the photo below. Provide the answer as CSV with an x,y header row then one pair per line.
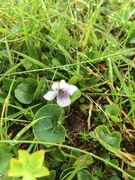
x,y
62,91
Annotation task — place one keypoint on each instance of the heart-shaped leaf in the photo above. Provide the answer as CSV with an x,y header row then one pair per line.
x,y
48,128
107,138
111,141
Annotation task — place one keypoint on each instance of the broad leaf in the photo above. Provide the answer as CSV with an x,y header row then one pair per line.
x,y
25,91
48,128
111,141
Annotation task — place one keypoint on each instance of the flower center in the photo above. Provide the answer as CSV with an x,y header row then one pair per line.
x,y
61,91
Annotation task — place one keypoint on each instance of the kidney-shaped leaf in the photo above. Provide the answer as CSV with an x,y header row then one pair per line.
x,y
48,127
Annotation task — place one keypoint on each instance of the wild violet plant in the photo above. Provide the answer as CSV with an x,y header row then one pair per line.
x,y
34,47
62,91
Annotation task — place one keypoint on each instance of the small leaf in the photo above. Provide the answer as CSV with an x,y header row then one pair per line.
x,y
97,171
40,85
3,97
7,83
113,111
56,62
66,173
1,66
4,31
115,119
74,80
48,127
15,29
31,48
58,155
24,92
83,174
76,95
84,161
28,166
5,157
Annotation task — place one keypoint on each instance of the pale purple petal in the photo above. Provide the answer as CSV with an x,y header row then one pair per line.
x,y
55,86
71,89
63,100
50,95
63,85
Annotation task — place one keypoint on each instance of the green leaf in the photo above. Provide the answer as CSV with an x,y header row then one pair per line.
x,y
28,166
1,66
114,178
3,97
15,29
76,95
5,157
52,175
25,91
84,160
66,173
48,127
58,155
7,83
56,62
40,85
113,139
83,174
97,171
4,31
112,111
74,79
31,48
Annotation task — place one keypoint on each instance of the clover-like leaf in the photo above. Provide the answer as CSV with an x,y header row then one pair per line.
x,y
28,166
